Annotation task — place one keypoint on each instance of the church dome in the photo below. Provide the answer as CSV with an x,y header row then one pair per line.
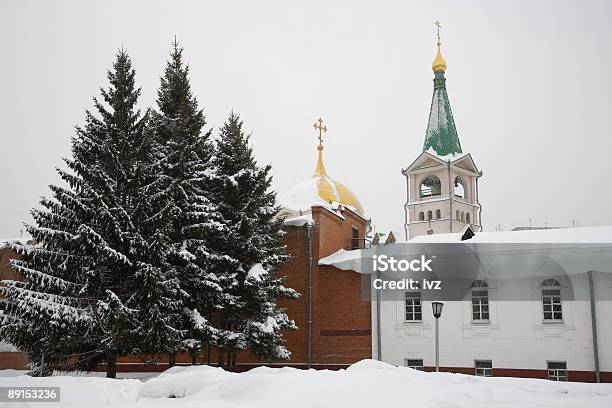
x,y
319,189
439,64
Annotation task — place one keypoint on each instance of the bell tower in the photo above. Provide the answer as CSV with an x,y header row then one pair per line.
x,y
442,183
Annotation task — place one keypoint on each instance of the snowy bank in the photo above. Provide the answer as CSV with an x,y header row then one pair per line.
x,y
365,384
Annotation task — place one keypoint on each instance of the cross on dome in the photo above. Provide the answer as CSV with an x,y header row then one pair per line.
x,y
322,129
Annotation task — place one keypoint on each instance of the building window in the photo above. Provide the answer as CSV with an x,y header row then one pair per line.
x,y
429,215
551,300
413,307
421,216
355,241
430,186
438,214
414,363
557,370
483,368
467,218
459,189
480,300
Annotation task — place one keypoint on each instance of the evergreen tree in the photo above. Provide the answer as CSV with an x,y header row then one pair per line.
x,y
254,250
98,269
182,191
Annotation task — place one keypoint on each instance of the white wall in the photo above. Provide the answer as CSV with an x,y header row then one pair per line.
x,y
514,337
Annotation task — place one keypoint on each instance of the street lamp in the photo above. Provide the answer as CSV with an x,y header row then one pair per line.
x,y
437,312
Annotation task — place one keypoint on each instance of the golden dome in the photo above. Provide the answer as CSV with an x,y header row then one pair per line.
x,y
439,64
319,189
332,191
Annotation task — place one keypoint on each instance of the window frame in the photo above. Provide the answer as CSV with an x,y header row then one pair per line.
x,y
419,367
556,371
549,300
483,371
412,308
355,238
480,286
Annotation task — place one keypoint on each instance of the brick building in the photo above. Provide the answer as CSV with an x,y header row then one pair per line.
x,y
9,356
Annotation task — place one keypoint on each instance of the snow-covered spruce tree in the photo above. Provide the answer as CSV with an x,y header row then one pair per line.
x,y
181,195
254,251
95,284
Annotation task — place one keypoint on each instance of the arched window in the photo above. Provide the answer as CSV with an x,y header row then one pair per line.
x,y
552,307
480,300
438,214
467,218
459,189
457,216
430,186
421,216
429,215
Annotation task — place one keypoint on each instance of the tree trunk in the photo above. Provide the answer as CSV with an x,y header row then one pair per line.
x,y
194,357
234,355
220,359
111,364
171,359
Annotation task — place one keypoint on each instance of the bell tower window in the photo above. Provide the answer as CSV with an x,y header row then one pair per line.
x,y
459,189
430,186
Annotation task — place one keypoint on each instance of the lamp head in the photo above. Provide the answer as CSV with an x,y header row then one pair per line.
x,y
437,309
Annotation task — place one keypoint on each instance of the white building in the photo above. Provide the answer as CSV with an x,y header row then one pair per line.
x,y
526,312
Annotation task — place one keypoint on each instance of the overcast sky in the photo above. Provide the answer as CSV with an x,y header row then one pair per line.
x,y
529,84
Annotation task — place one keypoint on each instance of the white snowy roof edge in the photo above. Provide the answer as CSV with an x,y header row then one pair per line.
x,y
581,235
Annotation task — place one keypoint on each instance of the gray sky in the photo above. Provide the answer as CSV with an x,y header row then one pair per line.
x,y
529,84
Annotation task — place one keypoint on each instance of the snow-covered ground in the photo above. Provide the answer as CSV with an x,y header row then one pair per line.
x,y
365,384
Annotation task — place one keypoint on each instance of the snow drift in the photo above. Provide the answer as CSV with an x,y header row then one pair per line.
x,y
365,384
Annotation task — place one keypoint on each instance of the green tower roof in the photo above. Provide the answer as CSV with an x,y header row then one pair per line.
x,y
441,135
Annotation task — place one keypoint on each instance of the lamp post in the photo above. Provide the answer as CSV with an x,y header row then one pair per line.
x,y
437,312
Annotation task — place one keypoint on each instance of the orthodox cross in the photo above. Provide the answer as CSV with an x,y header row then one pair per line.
x,y
439,26
321,128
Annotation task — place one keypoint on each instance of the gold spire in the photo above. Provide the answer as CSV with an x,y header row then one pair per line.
x,y
320,170
439,65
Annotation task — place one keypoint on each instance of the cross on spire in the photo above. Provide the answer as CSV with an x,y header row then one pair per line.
x,y
439,27
322,129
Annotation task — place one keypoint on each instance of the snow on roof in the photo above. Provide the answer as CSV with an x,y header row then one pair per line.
x,y
349,260
299,221
297,202
582,235
452,157
302,196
